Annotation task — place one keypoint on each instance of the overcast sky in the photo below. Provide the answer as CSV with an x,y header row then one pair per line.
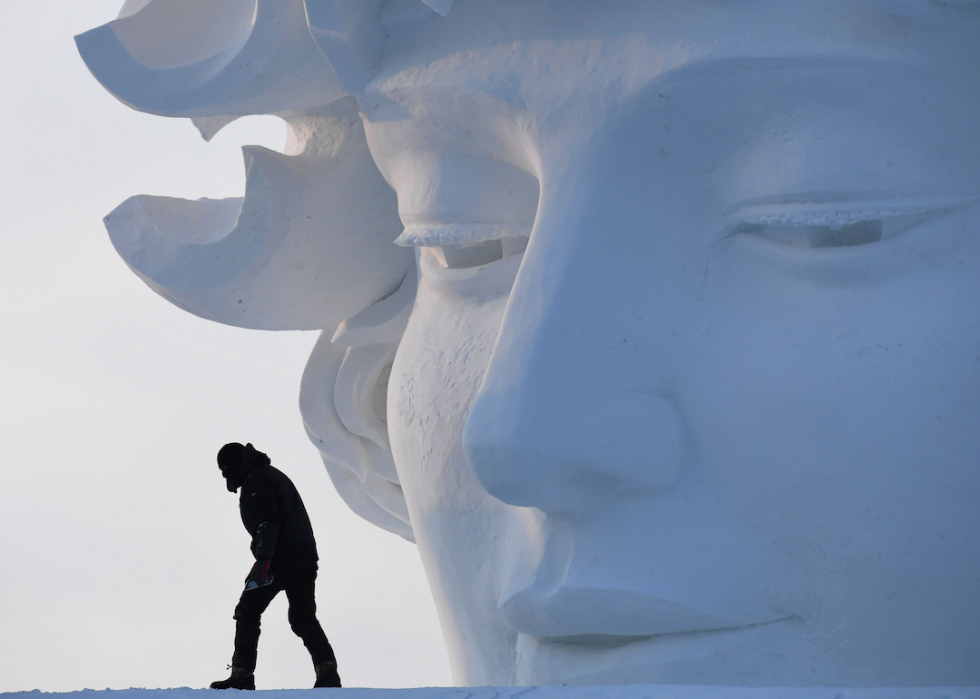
x,y
121,552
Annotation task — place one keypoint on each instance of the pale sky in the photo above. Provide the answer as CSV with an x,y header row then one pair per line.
x,y
121,552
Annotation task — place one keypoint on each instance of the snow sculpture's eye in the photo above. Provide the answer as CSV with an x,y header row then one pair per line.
x,y
469,212
838,224
478,254
826,236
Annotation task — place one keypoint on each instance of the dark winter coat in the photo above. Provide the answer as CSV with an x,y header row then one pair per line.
x,y
273,513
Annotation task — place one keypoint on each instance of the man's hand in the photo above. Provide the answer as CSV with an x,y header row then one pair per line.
x,y
258,576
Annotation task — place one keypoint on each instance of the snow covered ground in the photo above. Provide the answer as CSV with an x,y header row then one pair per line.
x,y
552,692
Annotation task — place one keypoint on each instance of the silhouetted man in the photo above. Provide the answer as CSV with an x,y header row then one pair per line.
x,y
285,560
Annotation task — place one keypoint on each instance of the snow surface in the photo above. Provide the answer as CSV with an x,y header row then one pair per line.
x,y
547,692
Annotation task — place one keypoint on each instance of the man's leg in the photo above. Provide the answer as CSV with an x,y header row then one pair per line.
x,y
302,619
248,618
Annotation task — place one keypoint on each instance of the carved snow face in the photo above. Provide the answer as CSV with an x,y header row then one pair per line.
x,y
720,422
689,391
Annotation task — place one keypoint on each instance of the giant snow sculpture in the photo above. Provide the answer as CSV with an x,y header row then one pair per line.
x,y
654,322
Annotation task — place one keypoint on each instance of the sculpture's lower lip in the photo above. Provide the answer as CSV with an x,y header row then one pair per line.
x,y
598,658
590,615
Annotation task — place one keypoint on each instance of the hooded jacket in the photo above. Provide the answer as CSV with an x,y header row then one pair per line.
x,y
273,512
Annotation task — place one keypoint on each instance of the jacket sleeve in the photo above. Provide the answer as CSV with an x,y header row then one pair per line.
x,y
260,503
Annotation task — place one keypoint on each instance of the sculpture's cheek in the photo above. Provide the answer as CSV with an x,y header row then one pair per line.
x,y
436,375
842,420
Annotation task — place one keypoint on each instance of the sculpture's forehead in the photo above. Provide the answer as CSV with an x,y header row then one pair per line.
x,y
526,51
525,83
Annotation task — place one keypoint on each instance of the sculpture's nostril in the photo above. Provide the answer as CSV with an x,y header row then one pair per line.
x,y
562,455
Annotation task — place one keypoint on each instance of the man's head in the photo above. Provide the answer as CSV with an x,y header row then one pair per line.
x,y
235,462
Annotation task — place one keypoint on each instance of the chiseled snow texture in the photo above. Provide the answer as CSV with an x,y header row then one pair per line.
x,y
636,691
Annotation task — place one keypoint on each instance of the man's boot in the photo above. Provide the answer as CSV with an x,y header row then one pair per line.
x,y
326,675
240,679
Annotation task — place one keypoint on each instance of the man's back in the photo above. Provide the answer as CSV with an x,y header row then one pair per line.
x,y
269,497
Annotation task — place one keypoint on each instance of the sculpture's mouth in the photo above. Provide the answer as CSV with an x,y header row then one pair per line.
x,y
596,640
603,641
584,615
596,658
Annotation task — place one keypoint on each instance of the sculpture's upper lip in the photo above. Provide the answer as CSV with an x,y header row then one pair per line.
x,y
613,616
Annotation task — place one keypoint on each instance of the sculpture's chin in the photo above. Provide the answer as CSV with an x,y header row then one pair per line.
x,y
724,656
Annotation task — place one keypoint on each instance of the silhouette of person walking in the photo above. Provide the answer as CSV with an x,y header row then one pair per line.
x,y
285,560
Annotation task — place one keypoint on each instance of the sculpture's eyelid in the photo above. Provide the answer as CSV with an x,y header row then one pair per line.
x,y
841,223
843,212
458,234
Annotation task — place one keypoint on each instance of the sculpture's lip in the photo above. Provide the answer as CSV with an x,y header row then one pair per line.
x,y
602,641
582,614
594,659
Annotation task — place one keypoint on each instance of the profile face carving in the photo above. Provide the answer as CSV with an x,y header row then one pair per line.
x,y
682,384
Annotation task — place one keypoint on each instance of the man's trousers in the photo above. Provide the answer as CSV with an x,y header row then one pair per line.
x,y
298,580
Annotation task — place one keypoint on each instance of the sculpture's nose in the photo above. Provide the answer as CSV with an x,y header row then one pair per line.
x,y
538,446
570,416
